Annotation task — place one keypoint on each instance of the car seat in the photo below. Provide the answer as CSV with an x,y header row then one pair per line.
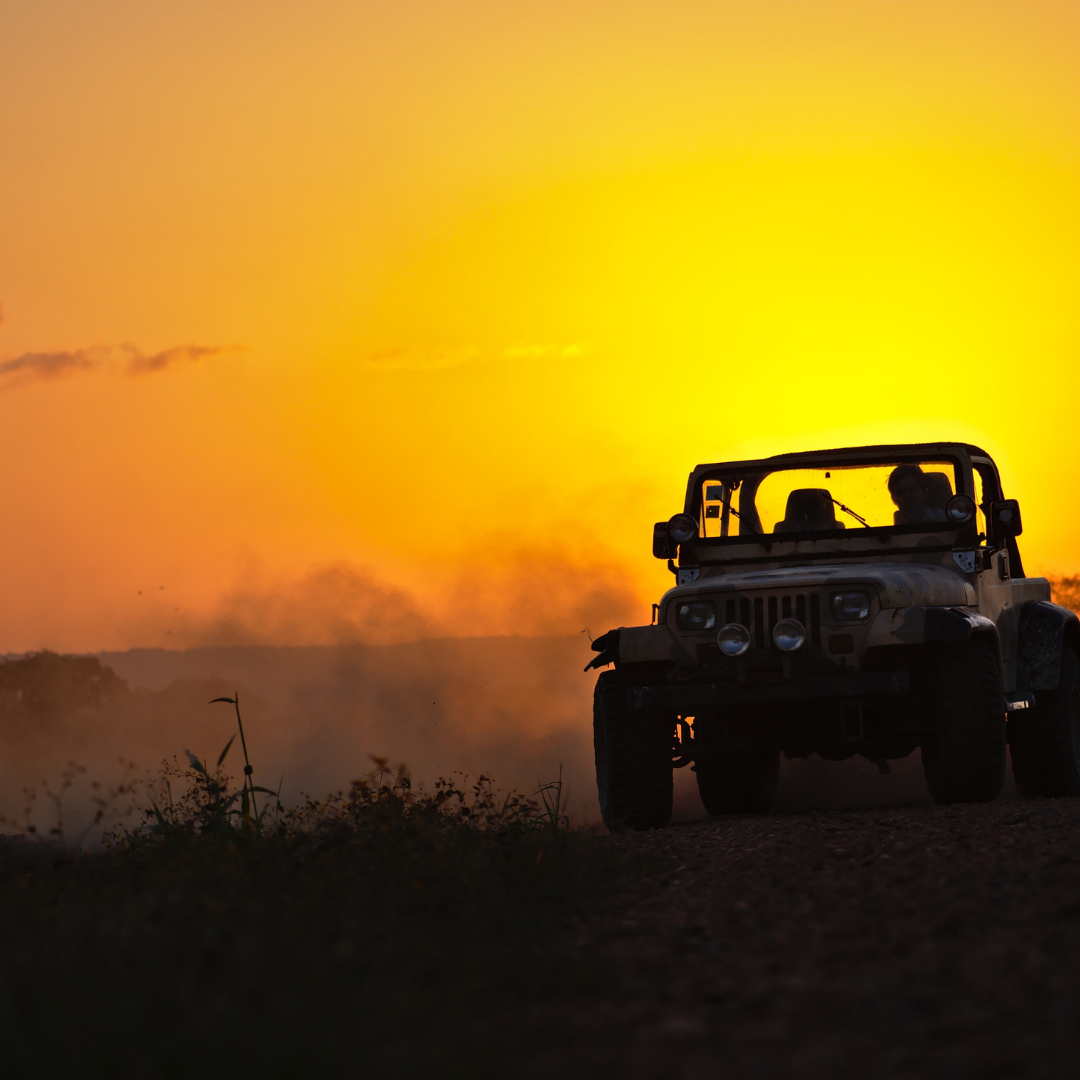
x,y
809,510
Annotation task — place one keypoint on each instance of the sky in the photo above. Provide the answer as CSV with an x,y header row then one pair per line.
x,y
404,319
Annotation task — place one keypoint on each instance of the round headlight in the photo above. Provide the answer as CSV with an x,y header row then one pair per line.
x,y
789,635
683,528
733,639
960,508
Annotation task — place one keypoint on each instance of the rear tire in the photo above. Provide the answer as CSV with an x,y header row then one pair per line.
x,y
1045,741
633,751
739,782
966,760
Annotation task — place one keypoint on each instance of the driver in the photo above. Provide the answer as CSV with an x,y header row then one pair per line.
x,y
907,486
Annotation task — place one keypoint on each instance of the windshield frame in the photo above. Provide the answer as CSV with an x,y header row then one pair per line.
x,y
757,470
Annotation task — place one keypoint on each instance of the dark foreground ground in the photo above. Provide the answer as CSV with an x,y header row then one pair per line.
x,y
942,941
921,942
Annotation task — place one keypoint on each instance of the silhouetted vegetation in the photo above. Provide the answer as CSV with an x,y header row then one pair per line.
x,y
1066,591
47,682
380,929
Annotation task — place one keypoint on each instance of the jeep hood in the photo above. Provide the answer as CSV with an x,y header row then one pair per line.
x,y
898,584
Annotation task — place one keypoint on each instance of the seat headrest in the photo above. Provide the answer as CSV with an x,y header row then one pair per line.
x,y
938,489
808,510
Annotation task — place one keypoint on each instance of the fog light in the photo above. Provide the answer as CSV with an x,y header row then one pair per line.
x,y
682,528
960,508
733,639
789,635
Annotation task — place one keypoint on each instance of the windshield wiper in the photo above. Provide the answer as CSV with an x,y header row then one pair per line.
x,y
731,509
847,510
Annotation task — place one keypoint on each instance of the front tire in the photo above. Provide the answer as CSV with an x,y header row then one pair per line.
x,y
965,762
739,782
1045,741
633,751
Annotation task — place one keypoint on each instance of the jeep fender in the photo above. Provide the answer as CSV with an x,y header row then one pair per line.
x,y
1045,629
956,626
944,625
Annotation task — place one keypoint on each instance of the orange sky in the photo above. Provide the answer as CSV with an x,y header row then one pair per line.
x,y
485,280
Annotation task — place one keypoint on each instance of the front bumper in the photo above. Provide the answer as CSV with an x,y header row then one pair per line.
x,y
690,697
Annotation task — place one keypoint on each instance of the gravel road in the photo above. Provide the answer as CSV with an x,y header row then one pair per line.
x,y
934,941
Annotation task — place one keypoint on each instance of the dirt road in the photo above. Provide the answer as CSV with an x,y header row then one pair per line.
x,y
938,941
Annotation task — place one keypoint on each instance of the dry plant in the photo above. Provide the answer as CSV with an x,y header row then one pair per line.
x,y
204,804
112,804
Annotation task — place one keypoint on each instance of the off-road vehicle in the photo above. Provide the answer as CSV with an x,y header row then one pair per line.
x,y
859,601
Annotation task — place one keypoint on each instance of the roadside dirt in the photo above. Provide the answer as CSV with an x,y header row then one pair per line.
x,y
924,942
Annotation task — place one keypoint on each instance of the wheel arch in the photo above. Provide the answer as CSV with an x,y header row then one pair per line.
x,y
955,626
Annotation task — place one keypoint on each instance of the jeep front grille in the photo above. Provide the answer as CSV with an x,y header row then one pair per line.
x,y
759,614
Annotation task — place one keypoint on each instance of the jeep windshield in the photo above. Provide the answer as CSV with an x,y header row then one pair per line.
x,y
909,496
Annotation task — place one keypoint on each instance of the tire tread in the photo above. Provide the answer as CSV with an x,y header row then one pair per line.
x,y
633,752
1041,743
967,761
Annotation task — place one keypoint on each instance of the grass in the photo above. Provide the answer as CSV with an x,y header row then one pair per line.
x,y
384,929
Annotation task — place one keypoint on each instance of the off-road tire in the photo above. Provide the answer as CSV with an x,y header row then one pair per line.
x,y
633,750
965,762
1045,741
739,782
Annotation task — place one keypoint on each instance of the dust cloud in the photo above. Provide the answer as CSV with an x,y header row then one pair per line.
x,y
513,587
514,707
477,673
511,708
336,604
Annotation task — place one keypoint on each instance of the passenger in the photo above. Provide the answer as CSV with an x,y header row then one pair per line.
x,y
908,488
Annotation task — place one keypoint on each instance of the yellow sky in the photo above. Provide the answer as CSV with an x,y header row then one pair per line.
x,y
485,280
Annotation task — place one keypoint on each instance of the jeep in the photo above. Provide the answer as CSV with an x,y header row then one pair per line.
x,y
869,601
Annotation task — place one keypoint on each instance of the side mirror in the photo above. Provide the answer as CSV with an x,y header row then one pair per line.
x,y
1005,519
663,546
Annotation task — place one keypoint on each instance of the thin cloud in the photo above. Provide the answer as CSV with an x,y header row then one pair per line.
x,y
44,367
140,364
35,367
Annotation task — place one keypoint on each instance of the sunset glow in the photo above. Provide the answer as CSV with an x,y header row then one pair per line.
x,y
446,300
